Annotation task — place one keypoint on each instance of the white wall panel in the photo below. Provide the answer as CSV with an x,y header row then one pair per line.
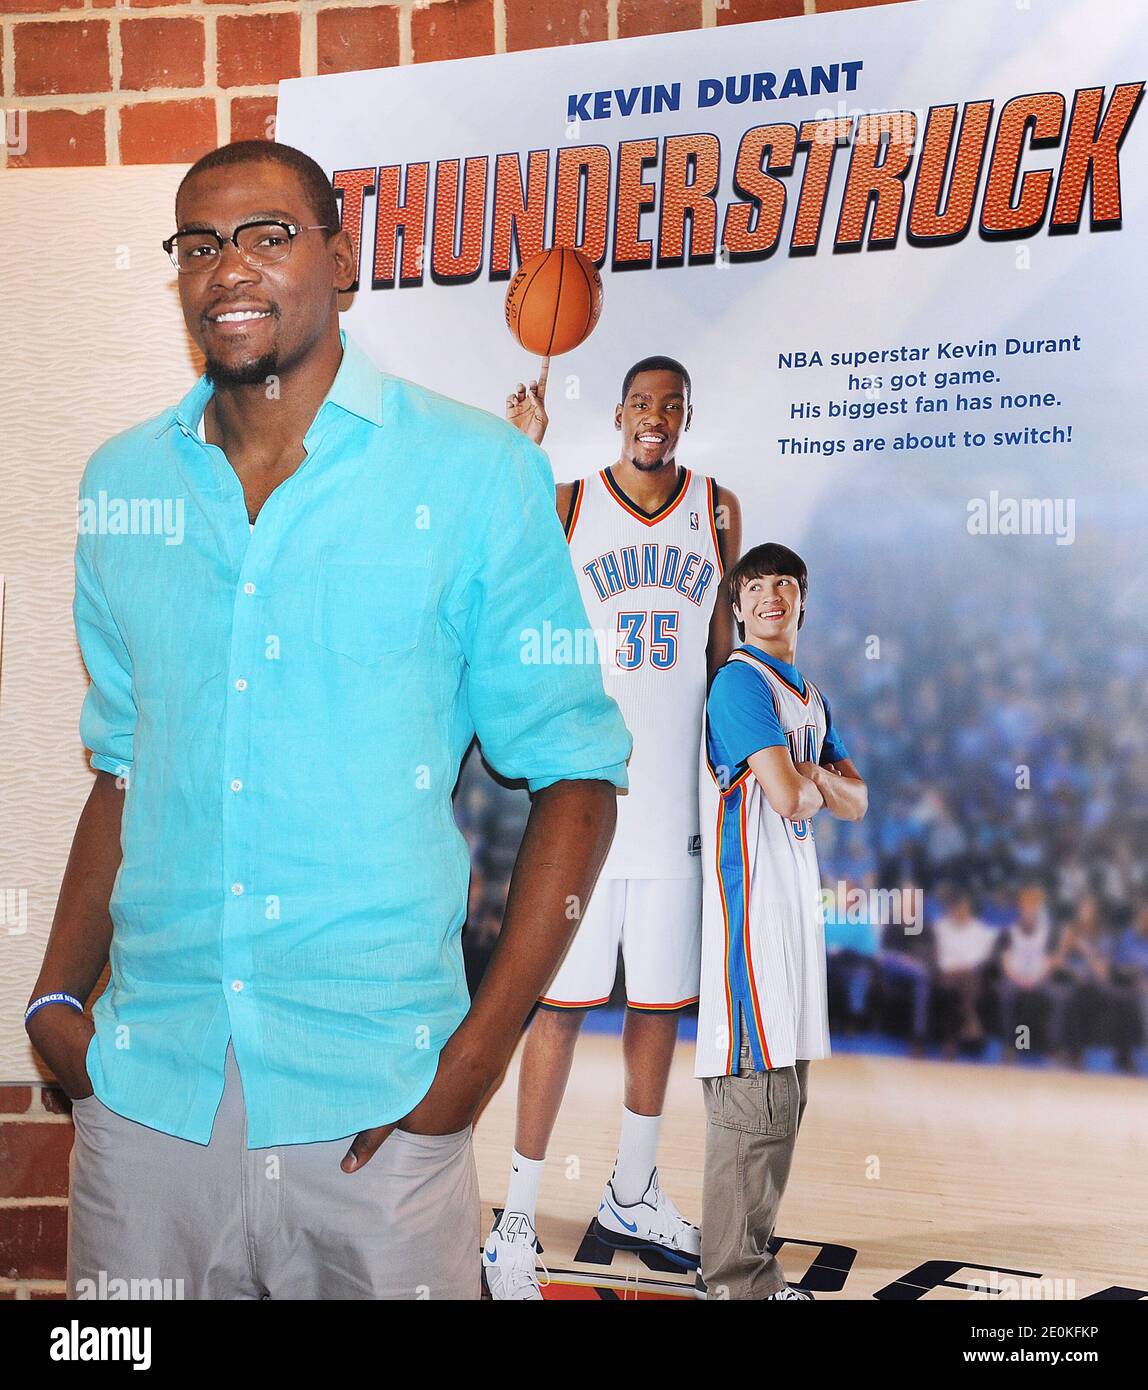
x,y
93,340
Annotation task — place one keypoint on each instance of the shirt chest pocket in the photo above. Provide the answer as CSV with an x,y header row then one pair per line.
x,y
368,609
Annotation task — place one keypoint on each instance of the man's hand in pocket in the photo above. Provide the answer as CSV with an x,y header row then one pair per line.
x,y
61,1034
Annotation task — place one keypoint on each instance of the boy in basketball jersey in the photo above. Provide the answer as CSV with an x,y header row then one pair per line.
x,y
771,759
649,540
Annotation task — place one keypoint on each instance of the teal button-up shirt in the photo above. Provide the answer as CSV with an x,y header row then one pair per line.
x,y
289,706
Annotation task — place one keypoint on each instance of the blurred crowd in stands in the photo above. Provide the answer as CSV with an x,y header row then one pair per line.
x,y
1003,730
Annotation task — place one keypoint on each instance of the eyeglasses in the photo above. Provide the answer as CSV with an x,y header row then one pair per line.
x,y
258,243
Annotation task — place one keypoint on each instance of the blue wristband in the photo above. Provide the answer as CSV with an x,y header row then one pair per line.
x,y
57,998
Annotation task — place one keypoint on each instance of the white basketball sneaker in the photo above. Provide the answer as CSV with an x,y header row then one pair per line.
x,y
509,1259
654,1223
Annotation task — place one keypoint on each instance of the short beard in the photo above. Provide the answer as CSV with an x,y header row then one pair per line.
x,y
651,467
254,373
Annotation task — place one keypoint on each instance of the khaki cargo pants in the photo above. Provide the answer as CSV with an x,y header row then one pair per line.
x,y
752,1121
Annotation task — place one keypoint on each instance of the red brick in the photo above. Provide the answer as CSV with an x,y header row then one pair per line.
x,y
59,139
161,53
34,1159
745,11
37,1294
457,29
657,16
351,40
38,6
132,4
250,117
167,132
545,24
7,1293
14,1100
34,1242
257,48
54,1101
65,57
824,6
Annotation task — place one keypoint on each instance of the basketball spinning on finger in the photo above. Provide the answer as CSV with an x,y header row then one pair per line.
x,y
552,306
554,301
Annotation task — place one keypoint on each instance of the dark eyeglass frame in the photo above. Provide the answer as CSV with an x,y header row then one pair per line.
x,y
291,228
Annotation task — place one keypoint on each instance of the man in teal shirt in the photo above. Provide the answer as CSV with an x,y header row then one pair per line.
x,y
299,594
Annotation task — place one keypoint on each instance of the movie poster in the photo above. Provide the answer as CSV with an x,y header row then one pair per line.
x,y
900,253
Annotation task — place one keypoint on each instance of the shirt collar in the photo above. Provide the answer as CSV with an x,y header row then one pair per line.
x,y
357,388
783,668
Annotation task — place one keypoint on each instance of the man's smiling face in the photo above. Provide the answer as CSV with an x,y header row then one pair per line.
x,y
254,322
652,418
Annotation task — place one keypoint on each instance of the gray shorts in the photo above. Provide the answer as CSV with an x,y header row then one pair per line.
x,y
153,1216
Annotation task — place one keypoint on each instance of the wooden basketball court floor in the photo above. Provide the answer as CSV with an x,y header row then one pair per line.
x,y
907,1173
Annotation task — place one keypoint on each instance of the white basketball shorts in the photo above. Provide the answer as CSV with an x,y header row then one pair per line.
x,y
657,922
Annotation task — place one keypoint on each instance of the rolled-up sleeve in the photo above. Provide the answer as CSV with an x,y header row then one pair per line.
x,y
108,716
534,681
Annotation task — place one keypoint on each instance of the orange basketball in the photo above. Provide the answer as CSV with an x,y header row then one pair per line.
x,y
554,301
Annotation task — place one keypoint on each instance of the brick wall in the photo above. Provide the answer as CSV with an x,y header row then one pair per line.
x,y
35,1141
151,82
159,82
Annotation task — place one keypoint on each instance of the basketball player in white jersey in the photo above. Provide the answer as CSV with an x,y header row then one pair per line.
x,y
771,759
650,541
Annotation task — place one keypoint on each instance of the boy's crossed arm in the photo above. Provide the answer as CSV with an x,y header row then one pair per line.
x,y
844,793
792,793
797,791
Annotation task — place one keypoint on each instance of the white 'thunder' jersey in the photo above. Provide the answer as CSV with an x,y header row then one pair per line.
x,y
649,583
763,937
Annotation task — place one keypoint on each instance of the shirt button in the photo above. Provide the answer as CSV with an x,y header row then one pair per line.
x,y
249,588
237,785
237,889
241,684
237,985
